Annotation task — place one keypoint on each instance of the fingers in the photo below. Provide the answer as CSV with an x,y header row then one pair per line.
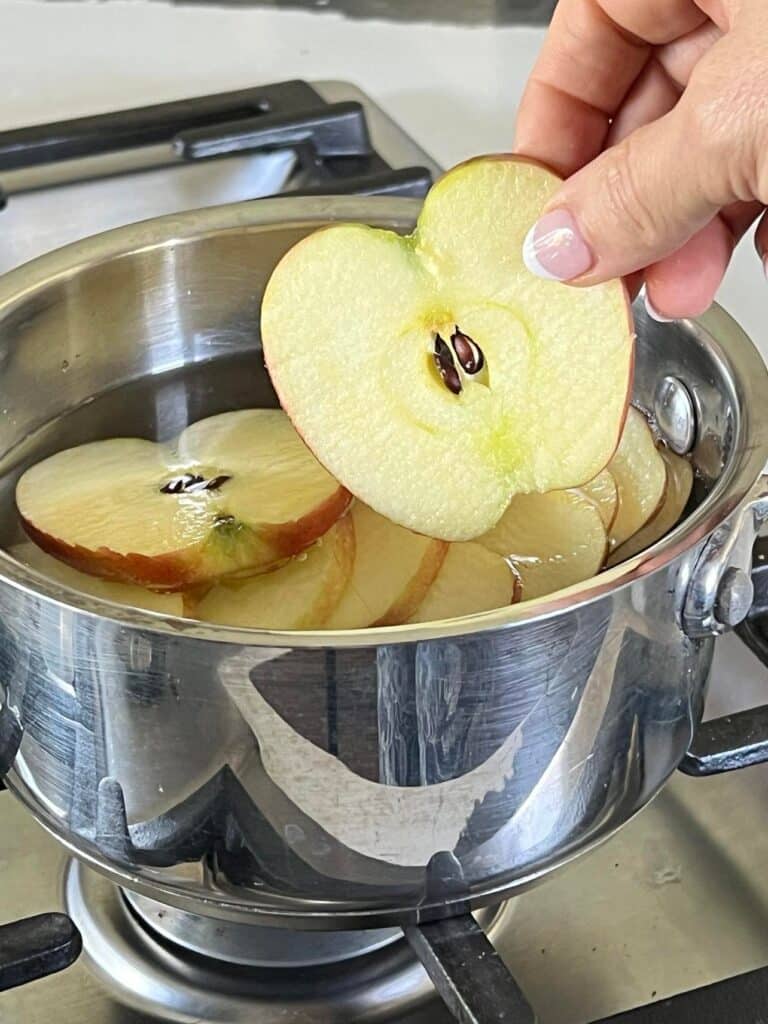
x,y
761,241
653,95
685,283
592,55
636,203
681,56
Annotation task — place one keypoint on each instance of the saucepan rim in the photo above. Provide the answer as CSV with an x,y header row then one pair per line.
x,y
741,366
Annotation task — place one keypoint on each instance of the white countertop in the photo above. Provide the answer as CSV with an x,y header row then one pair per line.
x,y
454,89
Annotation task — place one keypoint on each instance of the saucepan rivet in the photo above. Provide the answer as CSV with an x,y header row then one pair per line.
x,y
735,595
675,415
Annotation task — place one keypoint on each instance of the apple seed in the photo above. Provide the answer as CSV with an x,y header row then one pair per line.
x,y
182,483
192,483
468,352
445,366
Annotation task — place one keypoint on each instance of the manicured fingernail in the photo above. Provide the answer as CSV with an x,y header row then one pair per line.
x,y
654,314
555,249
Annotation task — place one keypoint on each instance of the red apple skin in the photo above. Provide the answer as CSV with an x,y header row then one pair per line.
x,y
415,592
290,538
186,568
508,157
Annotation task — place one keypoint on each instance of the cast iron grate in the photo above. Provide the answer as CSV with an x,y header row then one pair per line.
x,y
331,141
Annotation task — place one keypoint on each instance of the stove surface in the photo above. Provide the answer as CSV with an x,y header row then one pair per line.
x,y
675,901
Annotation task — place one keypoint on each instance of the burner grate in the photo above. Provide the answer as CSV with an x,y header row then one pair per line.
x,y
331,142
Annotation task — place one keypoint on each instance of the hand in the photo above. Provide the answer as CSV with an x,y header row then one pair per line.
x,y
659,111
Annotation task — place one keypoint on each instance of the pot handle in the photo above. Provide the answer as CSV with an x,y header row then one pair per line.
x,y
739,740
720,591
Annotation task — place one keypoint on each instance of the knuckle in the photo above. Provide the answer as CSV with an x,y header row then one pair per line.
x,y
727,121
625,200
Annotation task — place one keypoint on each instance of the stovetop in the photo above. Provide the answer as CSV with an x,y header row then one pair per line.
x,y
676,901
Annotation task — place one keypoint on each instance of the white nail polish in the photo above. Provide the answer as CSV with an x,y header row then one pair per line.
x,y
654,314
531,260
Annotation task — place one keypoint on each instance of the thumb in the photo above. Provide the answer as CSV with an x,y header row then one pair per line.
x,y
636,203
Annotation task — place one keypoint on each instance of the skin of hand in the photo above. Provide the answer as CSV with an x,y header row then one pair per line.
x,y
656,113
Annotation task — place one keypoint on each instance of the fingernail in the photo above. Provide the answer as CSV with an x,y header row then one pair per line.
x,y
555,249
653,313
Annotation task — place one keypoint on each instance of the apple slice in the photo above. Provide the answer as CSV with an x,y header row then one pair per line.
x,y
471,580
301,594
641,476
603,492
236,493
553,540
120,593
475,379
393,570
678,491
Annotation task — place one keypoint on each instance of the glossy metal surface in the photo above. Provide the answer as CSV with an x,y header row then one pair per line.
x,y
327,780
237,942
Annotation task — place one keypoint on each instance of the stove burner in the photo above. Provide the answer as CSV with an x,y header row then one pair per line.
x,y
373,976
252,944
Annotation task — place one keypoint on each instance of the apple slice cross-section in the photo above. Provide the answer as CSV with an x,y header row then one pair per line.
x,y
433,375
553,540
471,580
299,595
394,568
603,492
676,495
641,477
235,494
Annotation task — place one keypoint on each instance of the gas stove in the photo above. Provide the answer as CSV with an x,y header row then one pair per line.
x,y
666,922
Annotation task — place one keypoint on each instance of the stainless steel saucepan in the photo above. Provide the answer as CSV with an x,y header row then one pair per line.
x,y
340,780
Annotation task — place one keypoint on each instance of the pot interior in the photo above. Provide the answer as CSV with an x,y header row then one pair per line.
x,y
147,329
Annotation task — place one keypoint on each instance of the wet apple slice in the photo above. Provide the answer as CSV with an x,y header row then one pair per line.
x,y
236,493
641,476
393,570
119,593
471,580
676,495
434,375
299,595
603,492
553,540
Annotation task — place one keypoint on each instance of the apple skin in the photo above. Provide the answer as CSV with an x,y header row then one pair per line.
x,y
417,589
184,569
284,396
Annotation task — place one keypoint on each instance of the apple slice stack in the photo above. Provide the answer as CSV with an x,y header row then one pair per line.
x,y
297,552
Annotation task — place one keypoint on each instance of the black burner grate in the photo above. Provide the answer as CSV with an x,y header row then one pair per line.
x,y
331,140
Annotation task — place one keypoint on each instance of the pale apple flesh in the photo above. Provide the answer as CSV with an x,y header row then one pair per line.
x,y
676,495
641,477
603,492
471,580
236,493
394,568
118,593
476,379
301,594
553,540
